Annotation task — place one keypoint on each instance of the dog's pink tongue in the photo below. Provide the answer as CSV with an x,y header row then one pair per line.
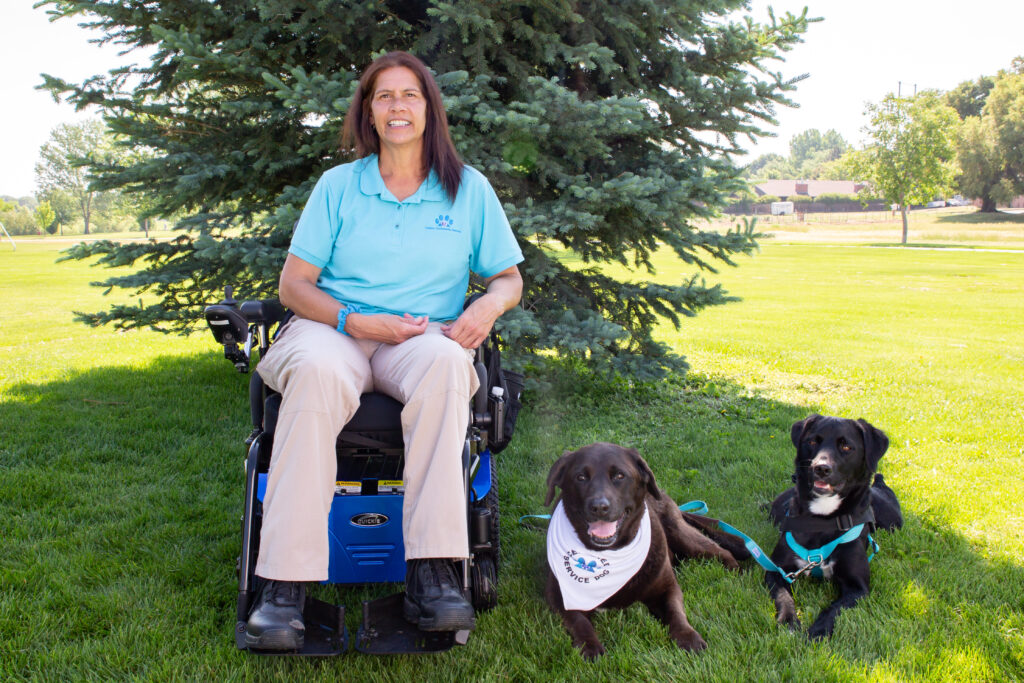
x,y
602,529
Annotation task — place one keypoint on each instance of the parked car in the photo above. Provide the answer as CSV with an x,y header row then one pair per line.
x,y
958,200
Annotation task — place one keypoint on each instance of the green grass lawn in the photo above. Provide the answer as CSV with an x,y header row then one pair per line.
x,y
121,482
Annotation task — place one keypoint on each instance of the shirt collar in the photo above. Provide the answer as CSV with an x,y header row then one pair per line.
x,y
370,183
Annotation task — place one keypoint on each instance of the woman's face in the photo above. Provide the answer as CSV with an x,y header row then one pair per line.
x,y
399,107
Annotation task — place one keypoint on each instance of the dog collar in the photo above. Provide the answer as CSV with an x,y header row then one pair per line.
x,y
588,577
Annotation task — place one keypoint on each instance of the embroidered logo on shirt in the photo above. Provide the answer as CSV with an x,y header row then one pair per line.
x,y
444,222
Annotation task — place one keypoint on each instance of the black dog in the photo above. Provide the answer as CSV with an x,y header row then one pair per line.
x,y
836,489
604,491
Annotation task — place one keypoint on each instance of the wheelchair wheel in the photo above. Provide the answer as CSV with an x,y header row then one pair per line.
x,y
484,570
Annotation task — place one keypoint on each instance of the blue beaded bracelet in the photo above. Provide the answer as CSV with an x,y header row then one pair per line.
x,y
343,315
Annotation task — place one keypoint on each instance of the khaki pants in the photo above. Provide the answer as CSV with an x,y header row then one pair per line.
x,y
321,374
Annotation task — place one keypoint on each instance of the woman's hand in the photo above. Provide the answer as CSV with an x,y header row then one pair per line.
x,y
384,327
472,327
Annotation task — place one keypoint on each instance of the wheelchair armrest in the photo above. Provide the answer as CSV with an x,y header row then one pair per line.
x,y
268,311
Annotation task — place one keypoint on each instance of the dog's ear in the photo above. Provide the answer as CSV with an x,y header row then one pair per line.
x,y
798,428
876,443
646,475
555,475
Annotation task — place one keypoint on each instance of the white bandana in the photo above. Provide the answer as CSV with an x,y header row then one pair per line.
x,y
589,577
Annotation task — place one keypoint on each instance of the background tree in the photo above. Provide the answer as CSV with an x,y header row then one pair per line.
x,y
46,217
607,129
968,98
812,148
63,204
63,160
1005,108
769,167
909,157
990,150
981,162
811,154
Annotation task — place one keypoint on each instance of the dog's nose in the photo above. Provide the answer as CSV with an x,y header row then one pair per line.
x,y
822,470
599,506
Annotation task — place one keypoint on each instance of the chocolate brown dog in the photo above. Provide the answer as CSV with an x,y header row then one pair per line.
x,y
836,490
613,540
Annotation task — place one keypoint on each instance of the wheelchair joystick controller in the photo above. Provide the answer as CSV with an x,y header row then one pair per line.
x,y
230,328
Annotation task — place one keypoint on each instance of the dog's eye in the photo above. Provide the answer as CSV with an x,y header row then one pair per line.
x,y
815,441
845,447
618,476
582,476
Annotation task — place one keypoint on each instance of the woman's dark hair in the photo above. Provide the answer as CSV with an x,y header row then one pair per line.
x,y
438,151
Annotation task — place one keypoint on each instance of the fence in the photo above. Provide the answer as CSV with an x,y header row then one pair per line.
x,y
830,217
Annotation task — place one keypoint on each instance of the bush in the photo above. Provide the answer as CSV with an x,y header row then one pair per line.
x,y
767,199
801,199
835,197
19,221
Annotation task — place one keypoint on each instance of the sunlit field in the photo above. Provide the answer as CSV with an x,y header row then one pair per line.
x,y
121,476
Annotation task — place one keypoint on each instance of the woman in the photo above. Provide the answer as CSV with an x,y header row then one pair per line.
x,y
376,274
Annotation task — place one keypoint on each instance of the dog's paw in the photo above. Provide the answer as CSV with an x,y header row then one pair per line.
x,y
591,651
819,631
790,621
690,640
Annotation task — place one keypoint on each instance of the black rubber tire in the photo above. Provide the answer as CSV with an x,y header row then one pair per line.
x,y
484,572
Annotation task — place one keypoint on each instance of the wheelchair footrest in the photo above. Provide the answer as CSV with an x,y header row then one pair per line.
x,y
326,635
384,631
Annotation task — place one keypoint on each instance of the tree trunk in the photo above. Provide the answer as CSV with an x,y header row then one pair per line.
x,y
903,210
988,205
87,211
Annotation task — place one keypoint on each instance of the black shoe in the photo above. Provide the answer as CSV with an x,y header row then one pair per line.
x,y
275,623
433,597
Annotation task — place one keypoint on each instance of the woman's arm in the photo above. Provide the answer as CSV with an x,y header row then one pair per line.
x,y
298,291
503,292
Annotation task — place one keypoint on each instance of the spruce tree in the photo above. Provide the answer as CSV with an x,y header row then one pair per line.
x,y
607,129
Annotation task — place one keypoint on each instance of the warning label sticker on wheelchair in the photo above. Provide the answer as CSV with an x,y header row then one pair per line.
x,y
349,488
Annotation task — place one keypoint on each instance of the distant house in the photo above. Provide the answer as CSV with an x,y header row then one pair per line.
x,y
787,189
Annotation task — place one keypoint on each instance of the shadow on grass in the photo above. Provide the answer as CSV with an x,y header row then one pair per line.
x,y
120,495
979,217
922,245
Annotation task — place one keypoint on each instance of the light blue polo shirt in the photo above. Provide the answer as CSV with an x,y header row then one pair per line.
x,y
412,256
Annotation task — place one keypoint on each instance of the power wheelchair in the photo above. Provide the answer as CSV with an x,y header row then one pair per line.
x,y
365,524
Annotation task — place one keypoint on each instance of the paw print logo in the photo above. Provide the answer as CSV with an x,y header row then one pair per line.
x,y
588,566
444,221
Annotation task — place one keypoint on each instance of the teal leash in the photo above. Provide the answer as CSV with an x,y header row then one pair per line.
x,y
697,507
815,558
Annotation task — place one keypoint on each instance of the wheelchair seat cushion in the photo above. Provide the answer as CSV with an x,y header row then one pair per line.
x,y
378,413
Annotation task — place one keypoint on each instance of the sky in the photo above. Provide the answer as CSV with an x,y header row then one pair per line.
x,y
859,52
